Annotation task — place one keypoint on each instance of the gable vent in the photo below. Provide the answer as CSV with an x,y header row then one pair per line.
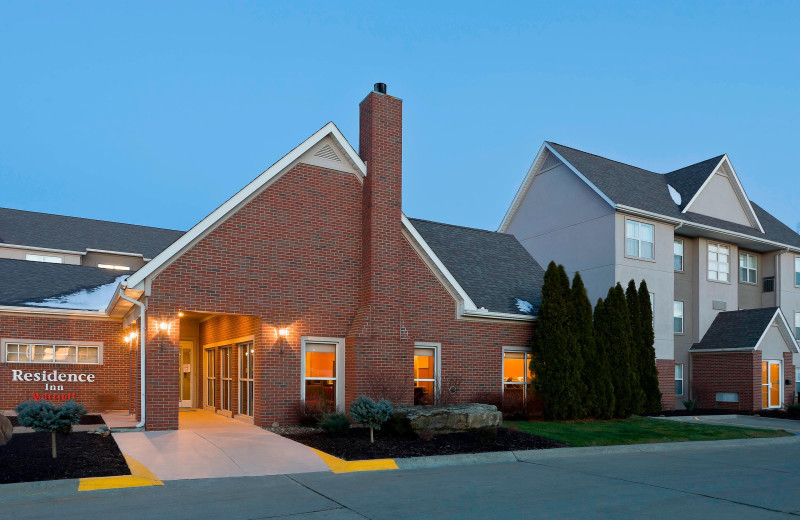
x,y
326,152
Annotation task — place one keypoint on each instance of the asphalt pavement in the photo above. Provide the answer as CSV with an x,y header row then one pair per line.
x,y
743,479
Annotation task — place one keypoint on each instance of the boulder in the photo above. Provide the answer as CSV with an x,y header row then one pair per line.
x,y
449,418
6,429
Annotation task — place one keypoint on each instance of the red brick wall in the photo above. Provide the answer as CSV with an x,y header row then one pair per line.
x,y
739,372
788,373
666,382
109,390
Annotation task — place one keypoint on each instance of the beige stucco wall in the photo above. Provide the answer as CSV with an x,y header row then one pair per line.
x,y
718,199
709,290
94,259
750,295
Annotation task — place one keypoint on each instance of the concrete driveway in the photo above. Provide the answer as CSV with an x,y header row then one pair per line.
x,y
208,445
748,421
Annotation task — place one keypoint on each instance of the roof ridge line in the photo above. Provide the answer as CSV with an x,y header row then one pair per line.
x,y
604,158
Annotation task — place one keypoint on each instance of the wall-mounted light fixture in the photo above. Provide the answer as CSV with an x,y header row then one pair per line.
x,y
163,326
283,333
180,314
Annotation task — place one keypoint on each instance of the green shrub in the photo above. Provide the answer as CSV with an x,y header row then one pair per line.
x,y
369,413
690,404
335,423
47,417
793,410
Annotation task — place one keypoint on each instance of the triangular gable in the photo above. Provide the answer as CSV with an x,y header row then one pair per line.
x,y
780,326
327,148
722,196
546,158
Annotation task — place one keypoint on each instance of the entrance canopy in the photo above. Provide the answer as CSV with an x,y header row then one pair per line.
x,y
752,329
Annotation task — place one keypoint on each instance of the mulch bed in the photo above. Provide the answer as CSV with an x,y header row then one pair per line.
x,y
86,419
355,445
27,458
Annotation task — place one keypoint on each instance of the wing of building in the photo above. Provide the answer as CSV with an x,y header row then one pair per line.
x,y
716,263
308,283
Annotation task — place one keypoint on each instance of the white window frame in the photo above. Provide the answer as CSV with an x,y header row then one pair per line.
x,y
48,259
437,369
340,367
49,343
682,379
682,255
525,350
682,316
797,325
797,271
248,381
717,271
746,256
639,241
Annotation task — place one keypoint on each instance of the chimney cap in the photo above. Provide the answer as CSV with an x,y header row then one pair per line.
x,y
380,88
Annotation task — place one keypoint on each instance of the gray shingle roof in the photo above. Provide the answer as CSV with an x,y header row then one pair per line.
x,y
23,282
493,268
737,329
29,228
688,181
645,190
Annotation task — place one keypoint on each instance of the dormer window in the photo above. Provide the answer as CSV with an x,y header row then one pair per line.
x,y
639,240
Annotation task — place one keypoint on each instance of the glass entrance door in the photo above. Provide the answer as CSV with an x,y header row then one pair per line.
x,y
186,369
771,387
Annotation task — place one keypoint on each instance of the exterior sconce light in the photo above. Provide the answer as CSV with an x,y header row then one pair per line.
x,y
283,333
163,326
180,314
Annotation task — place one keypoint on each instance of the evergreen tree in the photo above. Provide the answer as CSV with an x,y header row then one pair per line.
x,y
596,372
637,394
648,372
617,332
554,349
584,345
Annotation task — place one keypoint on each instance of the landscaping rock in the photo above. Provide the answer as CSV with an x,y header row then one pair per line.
x,y
6,430
450,418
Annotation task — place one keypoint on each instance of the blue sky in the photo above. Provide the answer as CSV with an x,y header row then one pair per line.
x,y
156,113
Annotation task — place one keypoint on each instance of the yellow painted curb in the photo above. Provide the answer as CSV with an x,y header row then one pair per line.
x,y
349,466
140,476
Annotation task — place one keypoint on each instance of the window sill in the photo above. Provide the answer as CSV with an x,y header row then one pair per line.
x,y
749,283
718,281
650,260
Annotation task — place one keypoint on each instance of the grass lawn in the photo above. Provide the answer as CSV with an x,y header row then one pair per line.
x,y
637,430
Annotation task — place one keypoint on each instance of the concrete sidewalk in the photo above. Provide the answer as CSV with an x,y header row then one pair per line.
x,y
745,421
208,445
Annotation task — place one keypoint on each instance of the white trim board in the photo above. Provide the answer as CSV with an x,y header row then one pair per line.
x,y
219,215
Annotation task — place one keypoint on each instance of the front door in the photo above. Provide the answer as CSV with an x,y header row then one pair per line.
x,y
186,369
771,387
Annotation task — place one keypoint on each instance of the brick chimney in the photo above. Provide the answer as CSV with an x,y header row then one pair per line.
x,y
375,338
381,148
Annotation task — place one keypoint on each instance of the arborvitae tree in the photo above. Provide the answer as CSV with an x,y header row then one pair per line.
x,y
583,333
617,331
637,394
596,373
554,353
648,372
607,403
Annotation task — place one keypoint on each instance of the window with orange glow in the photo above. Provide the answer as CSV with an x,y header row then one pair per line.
x,y
424,375
517,373
320,373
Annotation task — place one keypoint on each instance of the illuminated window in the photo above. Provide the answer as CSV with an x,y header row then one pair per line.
x,y
517,374
114,267
320,375
679,379
719,266
49,259
677,254
211,377
52,353
425,375
246,365
639,240
748,268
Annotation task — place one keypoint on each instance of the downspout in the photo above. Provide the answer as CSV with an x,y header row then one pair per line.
x,y
142,336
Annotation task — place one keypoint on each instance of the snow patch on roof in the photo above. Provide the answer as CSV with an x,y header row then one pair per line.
x,y
676,197
524,306
95,299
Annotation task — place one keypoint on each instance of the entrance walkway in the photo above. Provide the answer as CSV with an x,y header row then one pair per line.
x,y
208,445
746,421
